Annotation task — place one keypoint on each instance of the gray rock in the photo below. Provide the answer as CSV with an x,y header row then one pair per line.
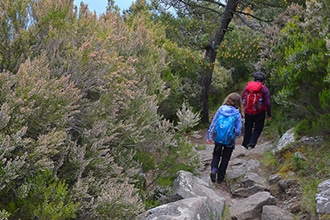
x,y
251,178
245,192
311,140
287,138
251,207
323,198
274,178
300,156
284,185
239,167
197,136
271,212
194,208
251,184
186,185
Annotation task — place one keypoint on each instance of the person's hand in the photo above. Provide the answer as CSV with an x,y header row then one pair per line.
x,y
269,118
209,141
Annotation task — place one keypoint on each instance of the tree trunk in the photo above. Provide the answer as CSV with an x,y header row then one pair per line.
x,y
210,55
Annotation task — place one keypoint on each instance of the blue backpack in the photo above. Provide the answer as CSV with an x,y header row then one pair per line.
x,y
225,129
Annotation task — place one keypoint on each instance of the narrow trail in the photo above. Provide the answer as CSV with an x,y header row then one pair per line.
x,y
239,153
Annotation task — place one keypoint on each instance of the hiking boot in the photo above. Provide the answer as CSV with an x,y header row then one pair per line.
x,y
213,175
220,178
249,147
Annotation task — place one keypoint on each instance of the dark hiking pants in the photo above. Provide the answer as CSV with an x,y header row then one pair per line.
x,y
254,124
224,152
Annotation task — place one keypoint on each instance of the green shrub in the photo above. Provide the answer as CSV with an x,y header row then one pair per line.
x,y
4,215
44,197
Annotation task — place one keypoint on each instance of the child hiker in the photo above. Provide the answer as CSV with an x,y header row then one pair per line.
x,y
226,124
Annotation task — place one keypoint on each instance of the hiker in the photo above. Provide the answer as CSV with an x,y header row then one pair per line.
x,y
229,113
256,101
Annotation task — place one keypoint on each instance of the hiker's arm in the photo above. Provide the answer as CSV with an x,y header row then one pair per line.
x,y
238,125
210,131
266,95
242,95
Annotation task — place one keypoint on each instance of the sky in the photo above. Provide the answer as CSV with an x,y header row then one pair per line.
x,y
100,5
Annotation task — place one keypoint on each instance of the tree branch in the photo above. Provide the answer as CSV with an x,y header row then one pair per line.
x,y
252,16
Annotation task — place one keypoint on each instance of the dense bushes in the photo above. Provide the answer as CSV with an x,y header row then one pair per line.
x,y
80,131
298,64
76,106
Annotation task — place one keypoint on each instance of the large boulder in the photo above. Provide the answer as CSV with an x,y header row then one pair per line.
x,y
287,138
239,167
271,212
251,207
250,184
323,198
194,208
186,185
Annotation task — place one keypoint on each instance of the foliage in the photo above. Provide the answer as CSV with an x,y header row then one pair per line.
x,y
269,160
83,99
169,161
187,118
181,76
309,163
189,19
189,24
38,97
308,199
299,68
239,51
80,107
14,36
183,65
45,197
221,81
4,215
190,28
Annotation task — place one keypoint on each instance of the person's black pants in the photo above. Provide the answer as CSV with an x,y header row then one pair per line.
x,y
253,126
224,152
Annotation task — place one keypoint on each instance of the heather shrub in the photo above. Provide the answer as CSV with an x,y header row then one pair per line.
x,y
187,118
76,107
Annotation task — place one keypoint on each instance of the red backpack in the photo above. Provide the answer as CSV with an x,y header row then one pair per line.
x,y
253,99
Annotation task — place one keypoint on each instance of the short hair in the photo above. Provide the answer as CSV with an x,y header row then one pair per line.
x,y
259,76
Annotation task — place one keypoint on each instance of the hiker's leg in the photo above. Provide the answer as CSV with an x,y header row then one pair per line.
x,y
227,151
217,151
248,125
258,127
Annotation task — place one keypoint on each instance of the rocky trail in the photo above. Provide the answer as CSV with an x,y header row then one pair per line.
x,y
239,154
245,177
250,191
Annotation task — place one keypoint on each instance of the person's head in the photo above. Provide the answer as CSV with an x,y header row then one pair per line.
x,y
234,99
259,76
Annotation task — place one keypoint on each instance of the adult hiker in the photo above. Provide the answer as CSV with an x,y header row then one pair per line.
x,y
256,102
226,124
